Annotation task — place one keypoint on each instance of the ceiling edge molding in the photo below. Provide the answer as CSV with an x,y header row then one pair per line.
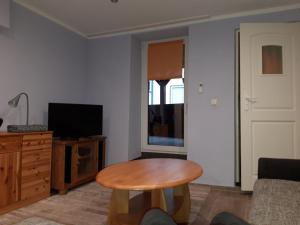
x,y
149,27
39,12
163,25
191,21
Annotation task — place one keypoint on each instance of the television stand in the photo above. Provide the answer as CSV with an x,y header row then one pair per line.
x,y
75,162
66,139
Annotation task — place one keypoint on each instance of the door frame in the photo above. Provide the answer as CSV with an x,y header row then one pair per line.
x,y
237,108
145,147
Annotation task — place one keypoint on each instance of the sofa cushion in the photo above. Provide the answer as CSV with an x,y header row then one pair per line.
x,y
156,216
226,218
275,202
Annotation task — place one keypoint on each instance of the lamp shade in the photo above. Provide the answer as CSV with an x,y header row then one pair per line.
x,y
15,101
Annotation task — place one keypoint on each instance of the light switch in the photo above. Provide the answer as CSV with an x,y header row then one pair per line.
x,y
200,88
214,101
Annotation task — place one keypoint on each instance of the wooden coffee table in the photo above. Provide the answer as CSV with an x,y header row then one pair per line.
x,y
153,176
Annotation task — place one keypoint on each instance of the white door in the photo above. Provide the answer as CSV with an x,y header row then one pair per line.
x,y
270,95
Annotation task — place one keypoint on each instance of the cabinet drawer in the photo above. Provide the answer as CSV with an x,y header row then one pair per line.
x,y
35,177
31,145
10,144
36,169
30,157
34,188
39,136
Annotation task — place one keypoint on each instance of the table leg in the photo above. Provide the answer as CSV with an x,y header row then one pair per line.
x,y
158,199
119,203
183,212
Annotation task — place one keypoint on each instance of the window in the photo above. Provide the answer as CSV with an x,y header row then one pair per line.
x,y
174,92
165,106
272,59
154,93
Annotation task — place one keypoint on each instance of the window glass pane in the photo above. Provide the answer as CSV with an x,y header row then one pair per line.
x,y
166,112
175,91
154,93
272,59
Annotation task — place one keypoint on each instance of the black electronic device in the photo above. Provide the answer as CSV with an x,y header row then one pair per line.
x,y
74,120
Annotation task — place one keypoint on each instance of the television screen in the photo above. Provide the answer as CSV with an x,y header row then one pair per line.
x,y
74,120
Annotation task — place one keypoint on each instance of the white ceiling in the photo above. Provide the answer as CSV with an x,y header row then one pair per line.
x,y
99,17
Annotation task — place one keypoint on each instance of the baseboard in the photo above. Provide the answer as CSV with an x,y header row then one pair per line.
x,y
149,155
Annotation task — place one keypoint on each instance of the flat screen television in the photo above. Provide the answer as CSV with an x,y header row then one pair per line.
x,y
74,120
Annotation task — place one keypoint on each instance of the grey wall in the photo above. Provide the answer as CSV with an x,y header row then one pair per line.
x,y
162,34
43,59
109,85
134,150
211,61
4,13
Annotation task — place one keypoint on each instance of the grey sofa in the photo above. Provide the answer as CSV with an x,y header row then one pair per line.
x,y
276,195
276,198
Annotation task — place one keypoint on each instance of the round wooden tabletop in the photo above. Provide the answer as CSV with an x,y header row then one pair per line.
x,y
149,174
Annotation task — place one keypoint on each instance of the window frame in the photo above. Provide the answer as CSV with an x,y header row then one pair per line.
x,y
145,147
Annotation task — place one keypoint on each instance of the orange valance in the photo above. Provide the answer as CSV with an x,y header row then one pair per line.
x,y
165,60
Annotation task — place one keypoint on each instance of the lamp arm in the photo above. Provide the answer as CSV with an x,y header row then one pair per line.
x,y
27,104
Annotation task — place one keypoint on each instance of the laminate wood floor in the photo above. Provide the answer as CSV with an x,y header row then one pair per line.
x,y
88,205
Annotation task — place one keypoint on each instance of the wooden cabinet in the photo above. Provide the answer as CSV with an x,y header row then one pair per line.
x,y
86,158
25,168
76,161
10,151
36,165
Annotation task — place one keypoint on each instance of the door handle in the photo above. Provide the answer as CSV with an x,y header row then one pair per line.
x,y
252,100
247,101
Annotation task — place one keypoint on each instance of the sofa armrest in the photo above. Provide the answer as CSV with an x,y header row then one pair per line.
x,y
284,169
